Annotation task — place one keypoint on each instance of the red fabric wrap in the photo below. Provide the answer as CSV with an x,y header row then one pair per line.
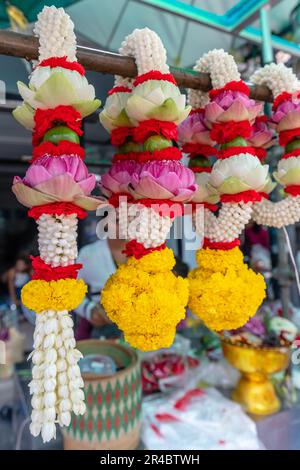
x,y
45,119
151,127
220,245
45,272
62,62
199,149
170,153
294,153
286,136
201,169
206,205
223,132
226,153
63,148
119,135
161,206
284,96
293,190
136,249
154,75
231,86
57,208
197,110
244,196
119,89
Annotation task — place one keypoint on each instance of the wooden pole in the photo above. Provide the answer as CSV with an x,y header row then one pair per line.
x,y
26,47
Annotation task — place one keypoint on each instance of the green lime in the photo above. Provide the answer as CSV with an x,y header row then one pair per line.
x,y
156,142
56,134
130,147
237,142
293,145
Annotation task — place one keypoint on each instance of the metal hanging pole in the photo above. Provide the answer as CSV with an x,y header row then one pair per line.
x,y
26,47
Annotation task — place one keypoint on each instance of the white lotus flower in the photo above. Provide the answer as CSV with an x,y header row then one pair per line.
x,y
205,192
53,86
288,171
157,99
114,115
239,173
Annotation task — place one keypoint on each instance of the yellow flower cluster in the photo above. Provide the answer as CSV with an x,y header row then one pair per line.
x,y
63,294
146,300
224,292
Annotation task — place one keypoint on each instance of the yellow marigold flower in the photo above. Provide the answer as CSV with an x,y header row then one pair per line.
x,y
224,292
63,294
146,300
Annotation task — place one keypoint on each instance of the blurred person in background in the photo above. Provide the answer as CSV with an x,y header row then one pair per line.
x,y
15,278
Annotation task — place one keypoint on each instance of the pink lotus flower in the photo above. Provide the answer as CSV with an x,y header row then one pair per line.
x,y
193,130
287,115
163,180
54,179
232,106
261,135
119,176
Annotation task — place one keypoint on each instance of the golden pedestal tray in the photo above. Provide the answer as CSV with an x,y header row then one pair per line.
x,y
254,390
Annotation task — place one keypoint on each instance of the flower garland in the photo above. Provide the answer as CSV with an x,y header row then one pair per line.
x,y
144,297
218,295
56,188
285,119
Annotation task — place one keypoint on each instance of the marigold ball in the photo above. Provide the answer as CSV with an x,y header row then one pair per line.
x,y
224,291
146,300
63,294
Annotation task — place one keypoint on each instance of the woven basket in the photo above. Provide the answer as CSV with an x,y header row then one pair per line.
x,y
113,417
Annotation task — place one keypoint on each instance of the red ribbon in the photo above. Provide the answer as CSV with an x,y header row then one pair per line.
x,y
199,149
161,206
169,153
154,75
223,132
45,119
151,127
62,62
45,272
220,245
294,153
231,86
57,208
119,89
201,169
119,135
244,196
63,148
293,190
230,152
136,249
284,96
286,136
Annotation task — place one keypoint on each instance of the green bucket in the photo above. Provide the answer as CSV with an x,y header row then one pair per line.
x,y
113,417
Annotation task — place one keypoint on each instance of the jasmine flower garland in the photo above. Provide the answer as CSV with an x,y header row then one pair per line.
x,y
144,298
285,119
56,189
219,287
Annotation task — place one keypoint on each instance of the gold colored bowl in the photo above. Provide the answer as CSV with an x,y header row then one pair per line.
x,y
254,391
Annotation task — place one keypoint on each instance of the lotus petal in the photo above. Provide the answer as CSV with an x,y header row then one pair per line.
x,y
147,187
62,186
236,112
85,108
168,111
30,197
137,108
233,185
28,95
24,115
56,90
212,112
290,121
